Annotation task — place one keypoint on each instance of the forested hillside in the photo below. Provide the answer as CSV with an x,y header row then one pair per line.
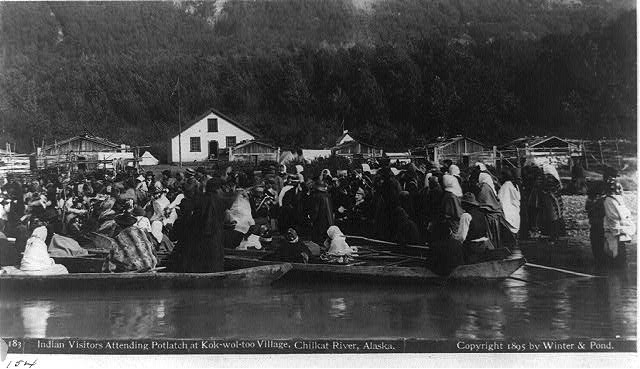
x,y
395,72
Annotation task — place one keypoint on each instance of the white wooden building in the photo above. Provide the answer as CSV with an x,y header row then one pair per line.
x,y
204,137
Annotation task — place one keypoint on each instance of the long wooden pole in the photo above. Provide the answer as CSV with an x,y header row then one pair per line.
x,y
561,270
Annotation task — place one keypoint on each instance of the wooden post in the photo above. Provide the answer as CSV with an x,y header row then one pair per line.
x,y
495,158
435,157
584,155
601,156
618,155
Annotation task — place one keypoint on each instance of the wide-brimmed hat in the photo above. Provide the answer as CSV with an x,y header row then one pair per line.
x,y
126,220
190,171
292,235
469,198
138,211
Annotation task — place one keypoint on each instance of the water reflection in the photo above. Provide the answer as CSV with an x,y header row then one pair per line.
x,y
338,307
34,318
574,307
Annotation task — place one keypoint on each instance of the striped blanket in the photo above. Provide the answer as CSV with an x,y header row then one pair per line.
x,y
134,252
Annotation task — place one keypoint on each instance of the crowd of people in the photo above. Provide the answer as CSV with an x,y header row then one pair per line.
x,y
184,221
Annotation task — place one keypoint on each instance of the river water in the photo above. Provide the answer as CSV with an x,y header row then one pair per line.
x,y
549,305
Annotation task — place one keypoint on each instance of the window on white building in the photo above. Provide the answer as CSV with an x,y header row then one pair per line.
x,y
212,124
195,144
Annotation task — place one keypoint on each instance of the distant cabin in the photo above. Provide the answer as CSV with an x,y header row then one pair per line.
x,y
350,147
254,152
543,150
206,136
458,149
83,152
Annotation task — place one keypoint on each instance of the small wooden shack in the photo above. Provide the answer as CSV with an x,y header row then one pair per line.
x,y
83,152
458,149
254,151
542,150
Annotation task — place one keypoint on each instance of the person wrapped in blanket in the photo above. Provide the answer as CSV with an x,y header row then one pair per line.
x,y
35,259
619,227
338,251
132,250
552,206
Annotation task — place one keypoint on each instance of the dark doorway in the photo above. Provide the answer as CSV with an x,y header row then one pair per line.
x,y
213,149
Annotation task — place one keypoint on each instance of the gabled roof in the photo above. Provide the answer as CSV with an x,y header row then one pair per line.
x,y
442,142
344,135
147,154
349,143
214,111
532,141
249,142
98,140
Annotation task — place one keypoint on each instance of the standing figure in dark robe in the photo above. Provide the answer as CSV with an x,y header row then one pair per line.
x,y
552,206
488,200
204,252
389,190
321,212
451,209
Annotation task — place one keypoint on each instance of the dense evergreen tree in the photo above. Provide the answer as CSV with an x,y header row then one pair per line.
x,y
397,73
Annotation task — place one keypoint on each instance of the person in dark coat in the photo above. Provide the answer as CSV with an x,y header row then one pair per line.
x,y
321,212
389,189
205,251
292,249
595,211
450,206
473,230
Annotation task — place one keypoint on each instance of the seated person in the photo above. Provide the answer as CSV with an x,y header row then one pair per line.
x,y
36,259
293,250
472,231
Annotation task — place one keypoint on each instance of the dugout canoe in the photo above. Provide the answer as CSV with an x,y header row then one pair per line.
x,y
245,277
485,271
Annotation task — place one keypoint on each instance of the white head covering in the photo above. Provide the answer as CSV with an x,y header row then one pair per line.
x,y
451,184
486,178
35,255
40,233
339,245
454,170
143,223
326,172
299,169
366,168
550,169
481,166
156,230
426,179
395,171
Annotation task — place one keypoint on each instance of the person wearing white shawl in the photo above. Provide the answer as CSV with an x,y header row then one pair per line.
x,y
450,184
552,204
509,196
450,207
35,259
337,243
551,170
240,214
618,224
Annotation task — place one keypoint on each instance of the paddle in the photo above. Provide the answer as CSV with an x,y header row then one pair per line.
x,y
394,254
386,242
